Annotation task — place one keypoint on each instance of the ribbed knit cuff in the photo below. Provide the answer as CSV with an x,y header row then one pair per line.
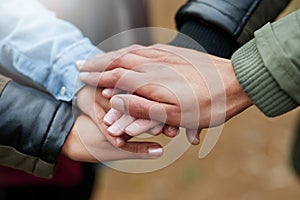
x,y
258,82
212,40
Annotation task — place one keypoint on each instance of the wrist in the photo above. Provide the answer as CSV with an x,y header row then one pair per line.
x,y
236,99
73,147
70,147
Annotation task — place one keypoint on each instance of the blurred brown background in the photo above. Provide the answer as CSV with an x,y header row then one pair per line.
x,y
250,161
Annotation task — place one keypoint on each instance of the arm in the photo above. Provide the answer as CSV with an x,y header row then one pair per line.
x,y
223,26
177,86
42,48
266,69
217,27
37,45
35,129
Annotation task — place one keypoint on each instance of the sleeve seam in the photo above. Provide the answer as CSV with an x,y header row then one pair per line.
x,y
41,149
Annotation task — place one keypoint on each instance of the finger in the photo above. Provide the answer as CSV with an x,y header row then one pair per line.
x,y
112,116
126,137
110,60
101,100
117,78
96,113
141,150
117,141
90,78
110,92
114,140
92,141
118,127
156,130
142,108
140,126
193,136
131,150
170,131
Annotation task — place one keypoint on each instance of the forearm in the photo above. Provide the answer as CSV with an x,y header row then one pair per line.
x,y
37,45
33,129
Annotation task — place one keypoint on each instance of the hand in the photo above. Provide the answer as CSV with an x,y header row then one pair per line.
x,y
92,103
181,87
87,143
122,123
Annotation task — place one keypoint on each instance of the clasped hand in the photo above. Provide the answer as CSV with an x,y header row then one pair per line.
x,y
158,88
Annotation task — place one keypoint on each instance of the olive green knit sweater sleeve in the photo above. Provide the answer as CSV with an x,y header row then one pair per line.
x,y
268,67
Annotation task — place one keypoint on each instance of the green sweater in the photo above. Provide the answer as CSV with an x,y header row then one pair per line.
x,y
268,67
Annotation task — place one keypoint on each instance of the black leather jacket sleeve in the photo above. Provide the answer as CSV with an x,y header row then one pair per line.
x,y
238,18
220,27
33,129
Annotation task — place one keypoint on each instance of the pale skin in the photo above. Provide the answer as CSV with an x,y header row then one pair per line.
x,y
91,101
178,86
88,142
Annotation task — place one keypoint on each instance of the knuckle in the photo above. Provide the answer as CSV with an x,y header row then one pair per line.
x,y
114,61
123,60
139,109
172,59
174,113
117,74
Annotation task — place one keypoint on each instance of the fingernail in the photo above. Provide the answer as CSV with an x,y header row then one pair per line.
x,y
119,142
196,141
106,93
132,128
80,63
117,103
114,130
84,75
155,151
108,119
172,129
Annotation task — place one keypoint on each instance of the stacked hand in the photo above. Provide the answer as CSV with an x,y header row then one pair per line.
x,y
89,140
165,85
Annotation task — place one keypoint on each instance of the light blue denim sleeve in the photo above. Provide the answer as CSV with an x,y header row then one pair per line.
x,y
37,45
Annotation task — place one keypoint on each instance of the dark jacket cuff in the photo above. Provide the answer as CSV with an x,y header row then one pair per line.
x,y
205,38
34,127
239,19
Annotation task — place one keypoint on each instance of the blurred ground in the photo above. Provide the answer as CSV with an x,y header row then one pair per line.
x,y
250,161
